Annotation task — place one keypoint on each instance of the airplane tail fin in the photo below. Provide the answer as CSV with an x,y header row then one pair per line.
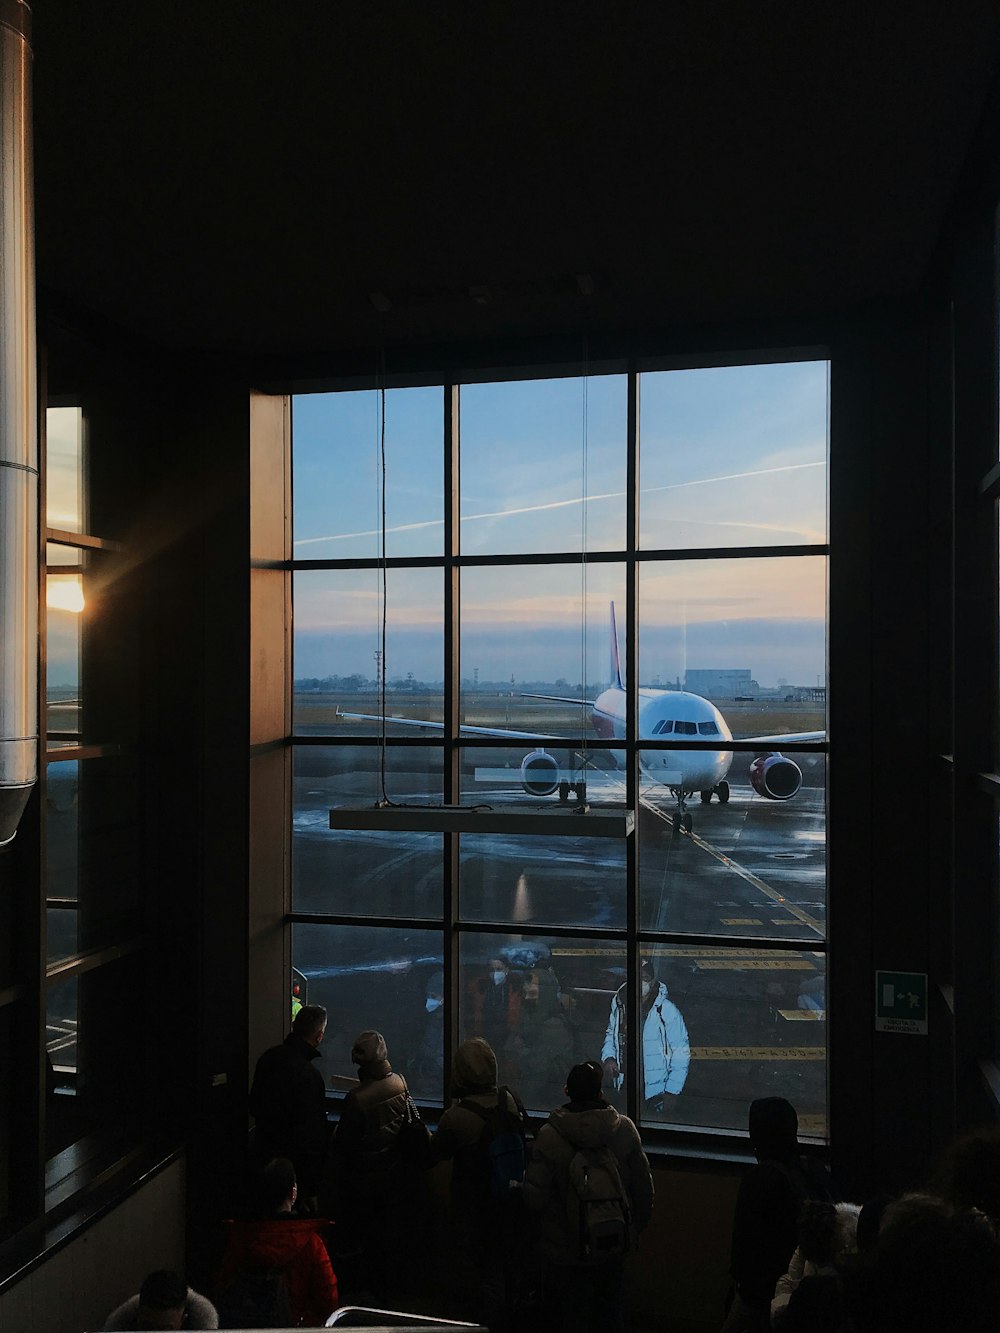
x,y
616,666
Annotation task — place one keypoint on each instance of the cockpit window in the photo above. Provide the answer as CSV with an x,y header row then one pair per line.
x,y
708,729
663,725
686,728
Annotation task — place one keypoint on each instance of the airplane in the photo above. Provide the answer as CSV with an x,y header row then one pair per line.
x,y
662,713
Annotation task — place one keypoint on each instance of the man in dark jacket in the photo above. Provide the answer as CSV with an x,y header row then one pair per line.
x,y
765,1223
589,1290
288,1103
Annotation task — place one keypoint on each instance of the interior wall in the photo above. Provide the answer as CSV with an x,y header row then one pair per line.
x,y
78,1287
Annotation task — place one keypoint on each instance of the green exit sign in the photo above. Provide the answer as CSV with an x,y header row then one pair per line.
x,y
901,1002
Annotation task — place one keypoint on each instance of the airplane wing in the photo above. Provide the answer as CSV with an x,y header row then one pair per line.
x,y
470,730
788,736
558,699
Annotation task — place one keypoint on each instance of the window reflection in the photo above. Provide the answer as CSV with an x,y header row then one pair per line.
x,y
378,978
542,1004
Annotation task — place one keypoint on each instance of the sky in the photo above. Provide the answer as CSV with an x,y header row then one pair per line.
x,y
734,456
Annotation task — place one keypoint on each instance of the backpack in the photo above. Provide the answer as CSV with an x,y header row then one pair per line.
x,y
597,1206
257,1298
500,1150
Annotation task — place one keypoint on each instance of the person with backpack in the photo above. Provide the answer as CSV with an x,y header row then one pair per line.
x,y
484,1134
276,1272
590,1184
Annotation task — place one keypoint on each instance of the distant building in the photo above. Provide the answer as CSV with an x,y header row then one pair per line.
x,y
720,683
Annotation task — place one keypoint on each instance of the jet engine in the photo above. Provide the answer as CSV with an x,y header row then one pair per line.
x,y
775,776
539,773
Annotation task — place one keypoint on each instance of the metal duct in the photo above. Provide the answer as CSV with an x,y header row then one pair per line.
x,y
18,427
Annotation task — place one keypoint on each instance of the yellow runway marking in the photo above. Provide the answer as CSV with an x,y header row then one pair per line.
x,y
758,1053
755,965
740,921
813,1124
803,1015
730,864
671,951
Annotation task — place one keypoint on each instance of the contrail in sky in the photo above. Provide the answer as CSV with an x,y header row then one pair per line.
x,y
560,504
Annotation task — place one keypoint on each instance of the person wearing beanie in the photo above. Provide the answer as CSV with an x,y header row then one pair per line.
x,y
487,1246
366,1153
589,1294
768,1205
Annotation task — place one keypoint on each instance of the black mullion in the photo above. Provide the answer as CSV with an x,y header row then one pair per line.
x,y
452,712
539,931
423,923
634,1016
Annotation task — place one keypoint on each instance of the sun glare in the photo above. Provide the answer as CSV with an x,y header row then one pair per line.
x,y
64,593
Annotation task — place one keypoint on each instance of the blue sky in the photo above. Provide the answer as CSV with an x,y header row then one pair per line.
x,y
729,457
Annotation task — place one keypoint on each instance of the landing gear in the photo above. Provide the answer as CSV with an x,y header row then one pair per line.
x,y
722,791
682,820
578,789
706,796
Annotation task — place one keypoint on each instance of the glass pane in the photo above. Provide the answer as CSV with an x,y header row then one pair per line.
x,y
92,852
734,456
380,978
68,557
64,1119
738,632
359,871
751,865
6,1108
541,879
542,1004
62,851
65,604
64,460
338,474
338,650
89,1025
756,1026
524,632
543,465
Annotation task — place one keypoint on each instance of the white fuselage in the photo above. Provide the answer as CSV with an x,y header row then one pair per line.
x,y
671,715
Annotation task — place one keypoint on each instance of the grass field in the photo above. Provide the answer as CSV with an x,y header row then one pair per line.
x,y
318,713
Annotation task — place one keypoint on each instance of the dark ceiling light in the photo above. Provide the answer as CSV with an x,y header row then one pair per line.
x,y
555,822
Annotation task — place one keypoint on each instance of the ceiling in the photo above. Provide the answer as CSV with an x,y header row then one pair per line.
x,y
311,178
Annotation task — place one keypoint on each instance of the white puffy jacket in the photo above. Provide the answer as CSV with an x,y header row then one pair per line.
x,y
666,1053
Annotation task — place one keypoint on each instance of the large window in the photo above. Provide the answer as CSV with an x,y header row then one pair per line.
x,y
91,809
488,611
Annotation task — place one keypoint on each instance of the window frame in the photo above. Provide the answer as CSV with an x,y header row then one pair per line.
x,y
454,927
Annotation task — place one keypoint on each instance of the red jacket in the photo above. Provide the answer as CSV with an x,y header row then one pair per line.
x,y
295,1245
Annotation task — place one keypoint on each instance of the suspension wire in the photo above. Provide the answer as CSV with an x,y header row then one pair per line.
x,y
583,546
